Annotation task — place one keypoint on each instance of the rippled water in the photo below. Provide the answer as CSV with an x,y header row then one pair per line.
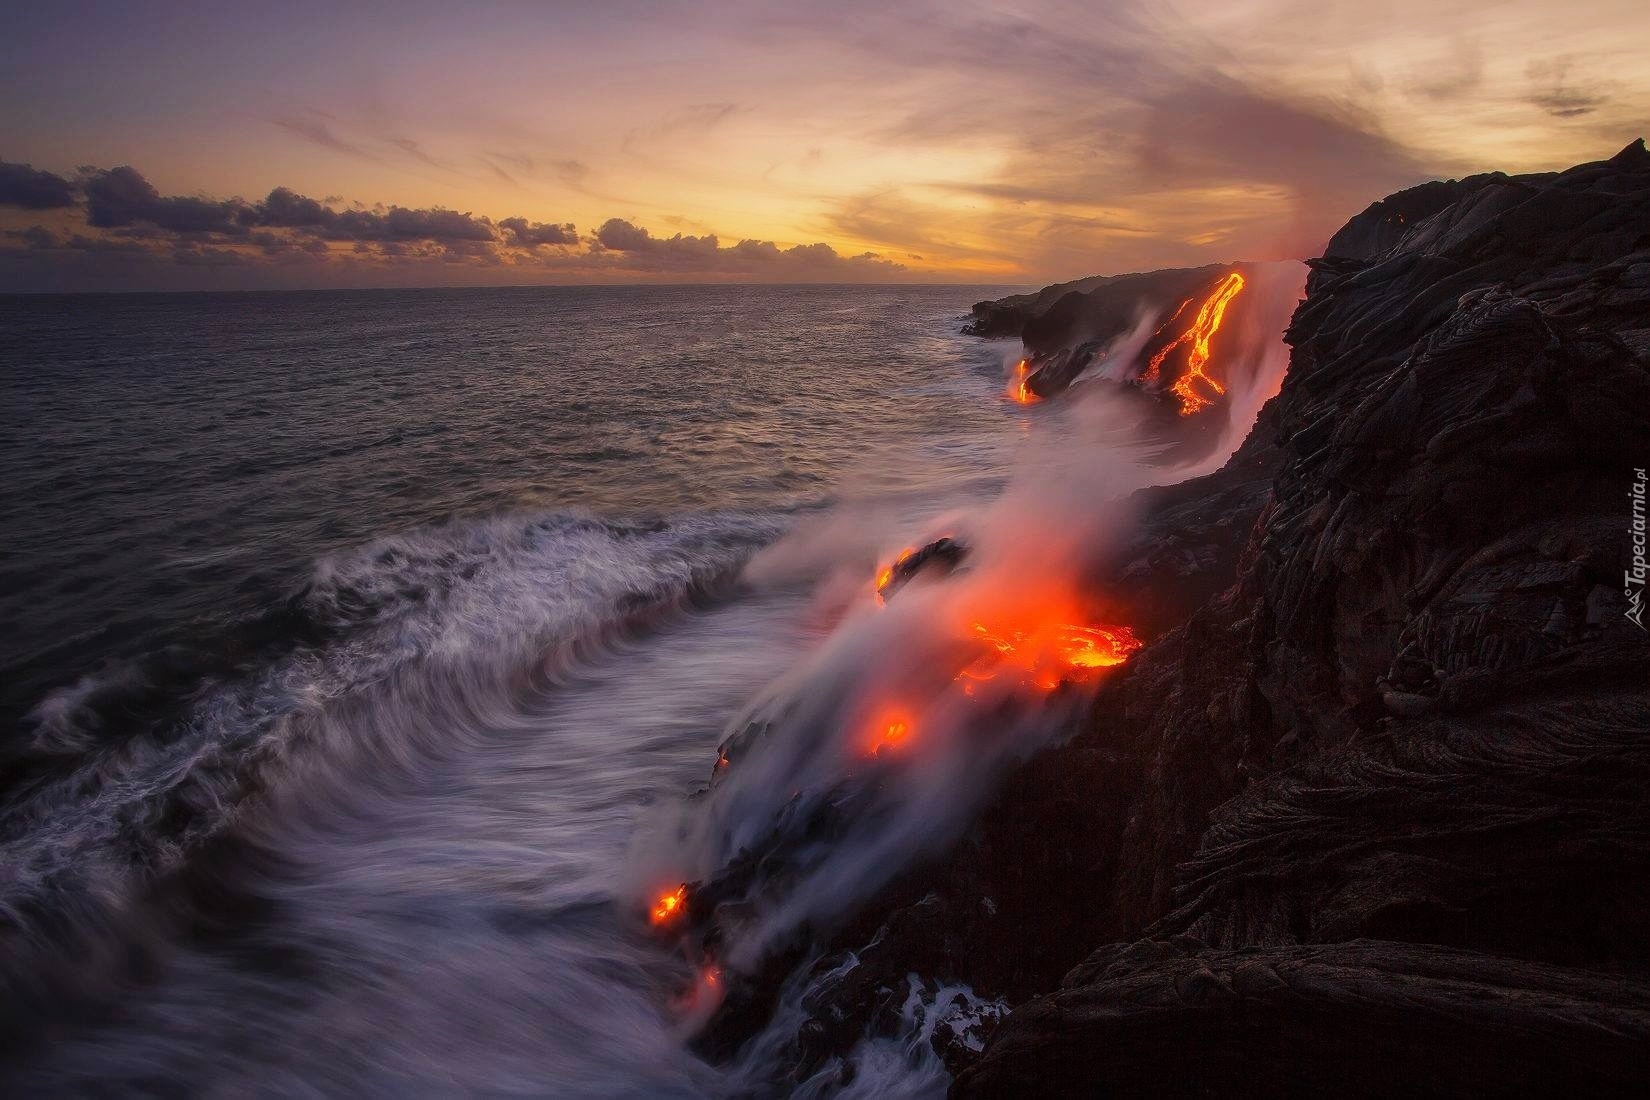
x,y
175,456
353,632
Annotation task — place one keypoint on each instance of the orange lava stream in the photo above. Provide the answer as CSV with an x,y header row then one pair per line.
x,y
1204,326
1019,387
1156,364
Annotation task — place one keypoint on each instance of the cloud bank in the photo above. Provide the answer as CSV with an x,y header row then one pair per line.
x,y
111,229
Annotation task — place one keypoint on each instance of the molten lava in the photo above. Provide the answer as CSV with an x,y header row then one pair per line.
x,y
1019,387
1032,649
1204,326
669,905
1156,364
697,1001
887,730
885,575
1049,654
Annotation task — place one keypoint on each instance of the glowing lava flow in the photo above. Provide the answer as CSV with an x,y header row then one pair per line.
x,y
1054,653
1019,387
887,731
1204,326
1038,660
669,905
885,575
1041,650
1156,364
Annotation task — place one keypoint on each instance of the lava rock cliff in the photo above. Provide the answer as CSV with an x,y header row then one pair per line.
x,y
1371,813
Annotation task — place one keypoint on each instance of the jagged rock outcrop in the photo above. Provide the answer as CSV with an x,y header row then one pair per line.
x,y
1375,811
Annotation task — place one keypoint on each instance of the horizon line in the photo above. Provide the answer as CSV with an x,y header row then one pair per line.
x,y
509,286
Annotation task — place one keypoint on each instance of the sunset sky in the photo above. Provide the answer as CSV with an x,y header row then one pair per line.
x,y
492,143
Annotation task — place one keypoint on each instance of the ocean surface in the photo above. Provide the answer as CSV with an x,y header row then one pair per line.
x,y
352,638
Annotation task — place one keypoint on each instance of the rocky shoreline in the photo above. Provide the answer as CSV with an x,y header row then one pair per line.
x,y
1369,814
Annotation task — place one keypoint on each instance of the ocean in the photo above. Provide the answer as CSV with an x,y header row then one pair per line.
x,y
356,638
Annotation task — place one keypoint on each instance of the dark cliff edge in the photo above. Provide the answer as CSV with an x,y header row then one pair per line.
x,y
1067,313
1002,318
1371,814
1066,328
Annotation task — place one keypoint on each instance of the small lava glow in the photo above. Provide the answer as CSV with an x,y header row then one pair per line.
x,y
885,575
888,729
669,905
1204,326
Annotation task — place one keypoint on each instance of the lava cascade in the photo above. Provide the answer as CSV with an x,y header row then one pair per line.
x,y
1203,328
1019,387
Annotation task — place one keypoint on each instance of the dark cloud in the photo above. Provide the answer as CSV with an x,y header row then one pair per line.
x,y
571,172
121,200
1554,93
33,189
1221,129
638,250
618,235
286,209
400,223
194,255
143,238
122,197
533,234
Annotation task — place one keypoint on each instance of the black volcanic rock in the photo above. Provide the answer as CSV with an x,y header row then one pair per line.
x,y
1006,317
1359,1018
1139,336
1066,327
1420,715
1373,802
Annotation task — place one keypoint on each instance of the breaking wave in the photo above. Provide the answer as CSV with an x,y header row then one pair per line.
x,y
425,761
